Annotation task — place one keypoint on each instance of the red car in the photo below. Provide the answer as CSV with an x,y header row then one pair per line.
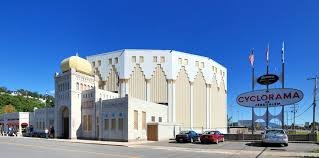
x,y
212,137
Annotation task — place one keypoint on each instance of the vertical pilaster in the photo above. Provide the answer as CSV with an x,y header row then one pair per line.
x,y
148,90
122,88
208,106
101,120
126,87
192,104
170,101
174,101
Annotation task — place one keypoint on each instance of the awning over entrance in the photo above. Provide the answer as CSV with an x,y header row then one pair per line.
x,y
24,124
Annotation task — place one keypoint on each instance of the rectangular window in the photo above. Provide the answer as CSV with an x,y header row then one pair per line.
x,y
113,124
153,118
93,64
162,59
159,119
185,61
141,59
135,119
196,63
202,65
89,122
154,59
99,62
116,60
180,61
110,61
143,120
133,59
85,123
106,124
121,123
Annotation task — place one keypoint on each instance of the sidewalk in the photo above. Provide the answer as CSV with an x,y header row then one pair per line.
x,y
96,142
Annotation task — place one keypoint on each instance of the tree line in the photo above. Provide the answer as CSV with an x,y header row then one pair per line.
x,y
25,101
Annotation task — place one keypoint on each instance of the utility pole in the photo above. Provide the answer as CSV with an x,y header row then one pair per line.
x,y
294,111
314,103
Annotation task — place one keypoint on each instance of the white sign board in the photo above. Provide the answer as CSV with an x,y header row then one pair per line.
x,y
271,98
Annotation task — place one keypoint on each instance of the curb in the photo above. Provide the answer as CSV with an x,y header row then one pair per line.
x,y
69,141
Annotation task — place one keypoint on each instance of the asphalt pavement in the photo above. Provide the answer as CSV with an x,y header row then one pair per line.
x,y
34,148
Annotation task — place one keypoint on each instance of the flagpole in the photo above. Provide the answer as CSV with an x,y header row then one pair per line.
x,y
267,71
283,82
253,88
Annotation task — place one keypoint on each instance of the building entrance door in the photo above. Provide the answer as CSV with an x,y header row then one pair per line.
x,y
152,134
65,124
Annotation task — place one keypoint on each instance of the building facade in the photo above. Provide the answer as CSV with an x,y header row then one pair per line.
x,y
130,95
193,87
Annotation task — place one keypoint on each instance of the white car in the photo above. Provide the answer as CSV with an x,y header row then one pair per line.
x,y
275,136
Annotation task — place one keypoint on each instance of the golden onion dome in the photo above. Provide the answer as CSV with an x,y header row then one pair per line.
x,y
77,63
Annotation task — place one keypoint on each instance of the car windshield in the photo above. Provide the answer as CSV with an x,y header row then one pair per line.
x,y
184,132
274,132
209,132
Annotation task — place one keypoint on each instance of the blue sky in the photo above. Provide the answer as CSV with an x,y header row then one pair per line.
x,y
36,35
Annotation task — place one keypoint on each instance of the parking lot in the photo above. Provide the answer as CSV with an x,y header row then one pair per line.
x,y
249,149
240,146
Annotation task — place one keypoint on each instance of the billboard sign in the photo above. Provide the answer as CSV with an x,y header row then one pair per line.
x,y
267,79
271,98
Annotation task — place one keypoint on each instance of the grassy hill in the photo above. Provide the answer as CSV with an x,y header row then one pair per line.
x,y
24,101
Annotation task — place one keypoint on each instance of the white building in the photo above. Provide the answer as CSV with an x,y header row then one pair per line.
x,y
16,120
129,95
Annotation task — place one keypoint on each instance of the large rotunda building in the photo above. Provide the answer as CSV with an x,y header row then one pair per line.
x,y
123,95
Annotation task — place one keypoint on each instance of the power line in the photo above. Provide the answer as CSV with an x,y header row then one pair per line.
x,y
305,110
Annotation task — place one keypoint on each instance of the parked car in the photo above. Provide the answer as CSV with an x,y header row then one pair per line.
x,y
187,136
274,136
212,137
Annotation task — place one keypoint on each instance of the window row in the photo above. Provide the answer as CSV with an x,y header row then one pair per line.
x,y
87,95
87,123
83,87
63,86
105,96
200,65
63,96
40,125
141,59
110,62
114,124
143,120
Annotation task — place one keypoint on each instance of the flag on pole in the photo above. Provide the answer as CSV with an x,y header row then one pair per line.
x,y
283,52
252,58
267,54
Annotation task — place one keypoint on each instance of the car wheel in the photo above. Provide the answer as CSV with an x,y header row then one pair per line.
x,y
217,141
286,144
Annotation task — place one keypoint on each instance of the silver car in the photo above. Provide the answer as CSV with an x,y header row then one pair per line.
x,y
275,136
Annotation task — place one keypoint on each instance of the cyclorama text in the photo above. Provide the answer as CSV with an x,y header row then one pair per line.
x,y
268,97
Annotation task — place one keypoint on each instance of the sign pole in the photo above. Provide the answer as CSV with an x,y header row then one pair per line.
x,y
283,83
314,104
